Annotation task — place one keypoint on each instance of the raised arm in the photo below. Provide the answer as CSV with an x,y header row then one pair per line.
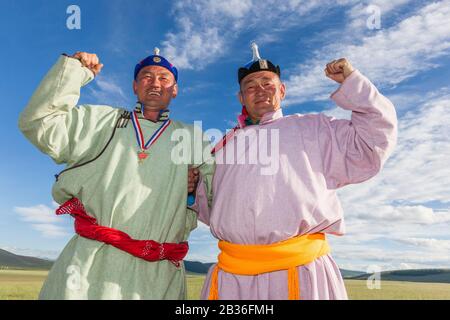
x,y
355,150
51,120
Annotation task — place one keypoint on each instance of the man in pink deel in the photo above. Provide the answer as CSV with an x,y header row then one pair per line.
x,y
254,205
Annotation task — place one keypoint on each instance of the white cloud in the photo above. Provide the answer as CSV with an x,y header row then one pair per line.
x,y
410,214
37,214
389,259
403,101
389,57
427,243
390,218
417,170
362,11
106,90
206,29
50,230
203,245
191,48
338,113
235,9
43,219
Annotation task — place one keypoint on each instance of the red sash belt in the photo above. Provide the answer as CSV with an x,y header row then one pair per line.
x,y
86,226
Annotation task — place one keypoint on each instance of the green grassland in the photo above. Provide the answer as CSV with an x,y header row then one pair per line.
x,y
398,290
25,285
21,284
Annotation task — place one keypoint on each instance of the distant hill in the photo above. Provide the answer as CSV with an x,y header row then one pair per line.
x,y
12,261
346,274
197,267
413,275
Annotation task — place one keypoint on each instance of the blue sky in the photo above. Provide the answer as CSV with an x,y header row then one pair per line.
x,y
400,219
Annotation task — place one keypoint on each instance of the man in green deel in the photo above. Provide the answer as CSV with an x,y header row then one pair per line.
x,y
121,184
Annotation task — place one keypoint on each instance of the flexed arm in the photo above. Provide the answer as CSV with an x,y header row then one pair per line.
x,y
51,120
355,150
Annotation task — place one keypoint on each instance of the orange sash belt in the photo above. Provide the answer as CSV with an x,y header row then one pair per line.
x,y
252,260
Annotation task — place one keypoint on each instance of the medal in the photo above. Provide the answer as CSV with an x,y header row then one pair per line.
x,y
142,155
144,147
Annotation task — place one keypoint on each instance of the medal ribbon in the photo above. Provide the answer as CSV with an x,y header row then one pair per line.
x,y
140,135
229,135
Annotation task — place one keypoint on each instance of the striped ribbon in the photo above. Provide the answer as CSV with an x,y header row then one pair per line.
x,y
140,136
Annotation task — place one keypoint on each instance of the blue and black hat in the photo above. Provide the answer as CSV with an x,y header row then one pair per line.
x,y
257,64
156,60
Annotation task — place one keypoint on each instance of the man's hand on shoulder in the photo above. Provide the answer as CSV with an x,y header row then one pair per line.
x,y
193,176
90,61
339,70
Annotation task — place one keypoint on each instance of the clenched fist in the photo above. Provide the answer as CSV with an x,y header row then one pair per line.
x,y
90,61
339,70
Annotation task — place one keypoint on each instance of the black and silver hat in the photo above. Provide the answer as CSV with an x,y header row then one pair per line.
x,y
257,64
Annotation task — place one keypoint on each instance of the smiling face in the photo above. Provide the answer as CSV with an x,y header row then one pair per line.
x,y
261,92
155,87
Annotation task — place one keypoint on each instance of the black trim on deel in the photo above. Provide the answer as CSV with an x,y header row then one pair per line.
x,y
121,122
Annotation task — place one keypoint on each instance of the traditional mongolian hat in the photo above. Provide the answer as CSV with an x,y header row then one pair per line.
x,y
156,60
257,64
